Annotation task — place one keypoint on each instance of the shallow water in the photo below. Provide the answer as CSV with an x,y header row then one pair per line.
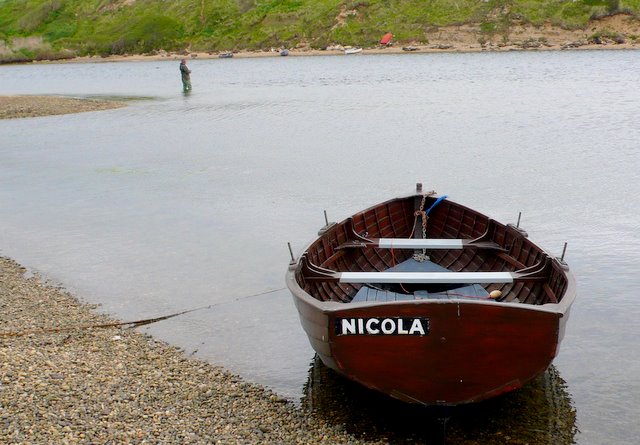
x,y
179,202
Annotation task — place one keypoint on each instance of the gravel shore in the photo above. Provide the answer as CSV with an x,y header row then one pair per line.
x,y
12,107
115,385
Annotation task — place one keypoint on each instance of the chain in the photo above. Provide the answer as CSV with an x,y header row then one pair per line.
x,y
421,257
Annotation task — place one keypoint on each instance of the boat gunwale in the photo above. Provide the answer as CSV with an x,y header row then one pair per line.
x,y
327,307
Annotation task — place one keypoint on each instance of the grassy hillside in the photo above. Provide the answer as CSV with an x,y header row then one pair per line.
x,y
44,29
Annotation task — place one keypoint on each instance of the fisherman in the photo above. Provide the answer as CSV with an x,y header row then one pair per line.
x,y
186,78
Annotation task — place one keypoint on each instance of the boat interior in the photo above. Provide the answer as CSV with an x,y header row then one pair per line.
x,y
418,247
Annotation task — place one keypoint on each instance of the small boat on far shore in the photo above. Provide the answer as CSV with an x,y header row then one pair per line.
x,y
284,52
226,55
430,301
386,39
352,50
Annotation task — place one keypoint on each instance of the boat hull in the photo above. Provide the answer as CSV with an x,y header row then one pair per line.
x,y
471,352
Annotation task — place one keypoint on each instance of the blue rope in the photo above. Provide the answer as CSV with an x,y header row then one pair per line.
x,y
435,204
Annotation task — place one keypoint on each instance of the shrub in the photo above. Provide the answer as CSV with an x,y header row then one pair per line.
x,y
141,34
60,29
36,17
488,27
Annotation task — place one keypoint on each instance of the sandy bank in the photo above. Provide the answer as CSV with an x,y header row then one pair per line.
x,y
617,32
114,385
32,106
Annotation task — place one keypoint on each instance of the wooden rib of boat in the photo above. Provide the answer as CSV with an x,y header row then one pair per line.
x,y
459,312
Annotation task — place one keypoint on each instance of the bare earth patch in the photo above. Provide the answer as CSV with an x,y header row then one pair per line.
x,y
31,106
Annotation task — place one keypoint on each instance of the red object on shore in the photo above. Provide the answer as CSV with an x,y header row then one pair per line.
x,y
378,300
386,39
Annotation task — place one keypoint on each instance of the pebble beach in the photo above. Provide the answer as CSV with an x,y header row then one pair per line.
x,y
64,382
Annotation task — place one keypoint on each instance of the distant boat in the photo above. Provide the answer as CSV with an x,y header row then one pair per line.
x,y
430,301
353,50
386,39
409,48
225,55
284,52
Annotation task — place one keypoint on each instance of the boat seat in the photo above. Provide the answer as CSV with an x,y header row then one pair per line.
x,y
372,294
426,277
420,243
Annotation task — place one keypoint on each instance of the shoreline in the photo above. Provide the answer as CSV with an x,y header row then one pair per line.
x,y
450,42
420,49
620,31
616,32
116,385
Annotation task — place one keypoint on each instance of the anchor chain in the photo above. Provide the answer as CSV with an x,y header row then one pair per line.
x,y
421,257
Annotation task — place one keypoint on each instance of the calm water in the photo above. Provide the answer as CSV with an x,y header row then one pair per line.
x,y
178,202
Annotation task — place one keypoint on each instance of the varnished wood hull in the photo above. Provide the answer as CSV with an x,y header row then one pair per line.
x,y
473,350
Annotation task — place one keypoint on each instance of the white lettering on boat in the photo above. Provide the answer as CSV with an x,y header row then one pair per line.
x,y
417,328
388,326
348,326
370,329
382,326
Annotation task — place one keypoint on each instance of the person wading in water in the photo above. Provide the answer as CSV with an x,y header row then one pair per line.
x,y
186,78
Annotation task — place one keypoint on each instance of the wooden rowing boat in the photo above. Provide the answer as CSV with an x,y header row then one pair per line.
x,y
431,302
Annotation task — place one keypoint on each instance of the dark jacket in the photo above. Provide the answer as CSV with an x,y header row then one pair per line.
x,y
185,71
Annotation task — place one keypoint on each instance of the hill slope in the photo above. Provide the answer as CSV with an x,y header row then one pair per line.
x,y
48,29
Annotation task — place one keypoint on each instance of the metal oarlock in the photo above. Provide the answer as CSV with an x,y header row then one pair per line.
x,y
517,227
327,224
293,258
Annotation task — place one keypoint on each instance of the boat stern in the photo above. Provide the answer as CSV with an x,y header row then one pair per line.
x,y
437,353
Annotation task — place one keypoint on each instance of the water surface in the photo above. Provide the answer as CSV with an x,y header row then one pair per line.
x,y
182,201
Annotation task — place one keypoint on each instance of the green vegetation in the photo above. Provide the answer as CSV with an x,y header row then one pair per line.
x,y
63,28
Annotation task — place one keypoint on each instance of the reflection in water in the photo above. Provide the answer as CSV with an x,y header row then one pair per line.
x,y
539,413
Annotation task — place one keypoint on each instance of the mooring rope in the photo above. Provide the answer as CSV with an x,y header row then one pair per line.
x,y
129,324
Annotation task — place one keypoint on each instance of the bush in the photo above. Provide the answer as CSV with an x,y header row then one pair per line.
x,y
60,29
141,35
36,17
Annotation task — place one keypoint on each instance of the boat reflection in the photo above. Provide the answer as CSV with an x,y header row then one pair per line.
x,y
539,413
